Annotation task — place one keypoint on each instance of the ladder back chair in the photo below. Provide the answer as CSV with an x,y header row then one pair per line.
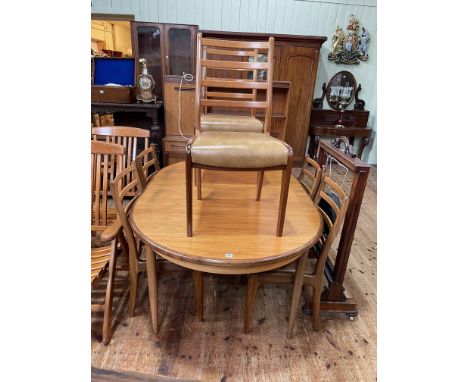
x,y
132,138
312,181
237,147
103,257
119,191
136,264
333,210
145,162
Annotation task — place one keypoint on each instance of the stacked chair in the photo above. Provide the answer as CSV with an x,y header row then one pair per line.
x,y
235,141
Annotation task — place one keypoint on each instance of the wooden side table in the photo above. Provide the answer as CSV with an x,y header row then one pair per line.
x,y
323,121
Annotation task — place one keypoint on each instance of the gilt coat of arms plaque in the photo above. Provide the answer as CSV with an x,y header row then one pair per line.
x,y
350,48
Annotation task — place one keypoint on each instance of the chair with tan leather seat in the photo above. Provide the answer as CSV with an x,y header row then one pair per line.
x,y
236,142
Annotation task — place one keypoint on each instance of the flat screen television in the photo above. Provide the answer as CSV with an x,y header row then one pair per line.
x,y
107,70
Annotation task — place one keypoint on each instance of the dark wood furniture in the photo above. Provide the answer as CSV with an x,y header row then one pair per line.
x,y
239,242
333,213
145,116
296,60
323,121
169,49
334,298
174,145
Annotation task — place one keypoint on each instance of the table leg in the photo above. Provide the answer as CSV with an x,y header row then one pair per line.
x,y
297,290
313,145
152,286
198,283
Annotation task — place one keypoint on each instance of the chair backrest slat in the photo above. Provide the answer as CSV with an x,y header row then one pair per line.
x,y
220,43
234,83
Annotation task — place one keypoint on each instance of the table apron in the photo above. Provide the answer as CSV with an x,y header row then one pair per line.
x,y
230,269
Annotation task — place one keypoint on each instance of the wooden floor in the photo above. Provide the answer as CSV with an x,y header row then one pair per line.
x,y
217,349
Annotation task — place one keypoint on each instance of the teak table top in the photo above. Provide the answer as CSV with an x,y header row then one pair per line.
x,y
232,232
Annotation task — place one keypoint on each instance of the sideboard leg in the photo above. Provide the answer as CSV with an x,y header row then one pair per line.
x,y
364,143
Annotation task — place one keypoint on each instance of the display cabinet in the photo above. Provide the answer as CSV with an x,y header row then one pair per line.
x,y
168,49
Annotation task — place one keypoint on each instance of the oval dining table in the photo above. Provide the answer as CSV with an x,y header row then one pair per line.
x,y
232,232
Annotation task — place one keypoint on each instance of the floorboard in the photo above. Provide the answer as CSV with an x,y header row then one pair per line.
x,y
218,350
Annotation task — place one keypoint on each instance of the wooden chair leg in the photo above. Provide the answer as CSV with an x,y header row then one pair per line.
x,y
124,247
316,309
283,197
152,286
198,181
133,276
198,283
297,290
188,185
259,184
106,329
252,286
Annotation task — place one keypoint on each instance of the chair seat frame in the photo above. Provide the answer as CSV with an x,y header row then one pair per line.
x,y
286,176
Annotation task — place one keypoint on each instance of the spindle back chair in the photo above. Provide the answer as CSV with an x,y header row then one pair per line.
x,y
132,138
105,158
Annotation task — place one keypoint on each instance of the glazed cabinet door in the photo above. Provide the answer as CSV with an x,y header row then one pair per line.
x,y
147,42
297,64
180,47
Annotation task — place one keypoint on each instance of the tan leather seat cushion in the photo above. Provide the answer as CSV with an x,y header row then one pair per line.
x,y
221,122
238,150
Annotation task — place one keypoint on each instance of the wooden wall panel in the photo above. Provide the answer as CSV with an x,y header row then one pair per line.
x,y
307,17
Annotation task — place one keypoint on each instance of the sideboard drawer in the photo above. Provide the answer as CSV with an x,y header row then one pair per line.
x,y
174,148
171,145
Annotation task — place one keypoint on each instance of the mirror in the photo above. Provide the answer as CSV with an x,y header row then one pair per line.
x,y
340,90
